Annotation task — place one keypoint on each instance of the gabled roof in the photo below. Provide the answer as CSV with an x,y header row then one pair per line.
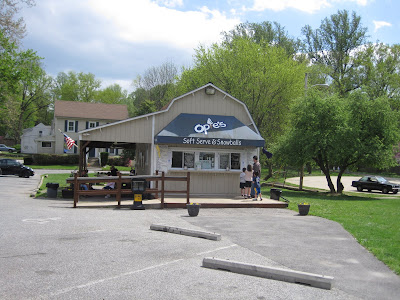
x,y
168,106
86,110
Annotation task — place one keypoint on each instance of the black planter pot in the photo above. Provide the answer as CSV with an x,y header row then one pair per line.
x,y
193,209
67,193
303,209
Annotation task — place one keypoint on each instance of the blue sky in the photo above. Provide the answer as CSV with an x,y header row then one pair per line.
x,y
117,40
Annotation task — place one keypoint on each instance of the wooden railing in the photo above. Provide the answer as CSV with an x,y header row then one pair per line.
x,y
119,180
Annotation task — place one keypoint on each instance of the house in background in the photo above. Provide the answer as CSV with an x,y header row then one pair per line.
x,y
38,139
71,117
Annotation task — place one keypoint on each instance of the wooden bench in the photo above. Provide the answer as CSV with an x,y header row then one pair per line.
x,y
119,180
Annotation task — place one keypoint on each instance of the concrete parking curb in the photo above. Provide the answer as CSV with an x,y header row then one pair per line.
x,y
315,280
189,232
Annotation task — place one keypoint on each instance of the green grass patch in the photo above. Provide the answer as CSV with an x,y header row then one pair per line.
x,y
372,221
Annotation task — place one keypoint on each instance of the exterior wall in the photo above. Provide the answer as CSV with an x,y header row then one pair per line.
x,y
47,150
28,139
143,159
59,123
200,103
134,131
205,182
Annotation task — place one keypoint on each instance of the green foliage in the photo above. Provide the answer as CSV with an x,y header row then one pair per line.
x,y
117,161
260,75
344,132
265,33
55,159
74,86
113,94
24,88
104,158
335,45
146,107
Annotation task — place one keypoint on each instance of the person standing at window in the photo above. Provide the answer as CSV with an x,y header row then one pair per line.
x,y
248,178
242,181
256,168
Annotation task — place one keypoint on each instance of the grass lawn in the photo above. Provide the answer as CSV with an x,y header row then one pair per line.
x,y
54,167
373,222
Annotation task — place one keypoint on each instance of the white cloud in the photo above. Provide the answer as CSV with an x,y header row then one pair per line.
x,y
379,24
143,21
309,6
170,3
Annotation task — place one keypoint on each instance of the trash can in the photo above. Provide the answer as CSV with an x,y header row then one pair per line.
x,y
275,194
138,188
52,189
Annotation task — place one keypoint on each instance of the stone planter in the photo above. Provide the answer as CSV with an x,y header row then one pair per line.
x,y
193,209
303,209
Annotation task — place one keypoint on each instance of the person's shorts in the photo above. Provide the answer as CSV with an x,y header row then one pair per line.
x,y
258,190
242,185
247,184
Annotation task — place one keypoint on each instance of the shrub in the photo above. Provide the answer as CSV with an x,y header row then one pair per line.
x,y
28,160
104,158
116,161
55,159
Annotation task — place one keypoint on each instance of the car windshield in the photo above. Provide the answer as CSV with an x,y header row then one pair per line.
x,y
381,179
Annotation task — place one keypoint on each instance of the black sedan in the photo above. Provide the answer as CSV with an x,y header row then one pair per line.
x,y
12,167
379,183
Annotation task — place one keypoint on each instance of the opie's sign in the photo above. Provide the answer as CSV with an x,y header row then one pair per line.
x,y
199,128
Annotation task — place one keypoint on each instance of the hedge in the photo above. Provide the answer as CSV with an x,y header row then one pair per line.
x,y
52,159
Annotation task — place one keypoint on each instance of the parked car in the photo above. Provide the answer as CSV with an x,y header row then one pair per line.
x,y
12,167
379,183
7,149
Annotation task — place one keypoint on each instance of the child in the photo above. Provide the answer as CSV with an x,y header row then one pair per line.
x,y
248,178
242,181
257,187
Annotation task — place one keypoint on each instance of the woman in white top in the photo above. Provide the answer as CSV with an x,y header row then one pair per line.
x,y
249,179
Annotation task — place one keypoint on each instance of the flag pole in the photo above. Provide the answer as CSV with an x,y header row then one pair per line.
x,y
65,134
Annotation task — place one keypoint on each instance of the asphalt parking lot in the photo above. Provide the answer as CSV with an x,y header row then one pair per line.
x,y
49,250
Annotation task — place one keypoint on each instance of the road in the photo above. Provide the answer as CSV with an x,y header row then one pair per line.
x,y
320,183
49,250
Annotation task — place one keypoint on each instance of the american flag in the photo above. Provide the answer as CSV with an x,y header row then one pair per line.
x,y
70,142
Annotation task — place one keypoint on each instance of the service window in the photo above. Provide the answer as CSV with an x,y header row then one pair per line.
x,y
224,160
235,161
207,160
182,159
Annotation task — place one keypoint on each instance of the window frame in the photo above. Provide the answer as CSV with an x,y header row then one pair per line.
x,y
68,125
197,164
51,145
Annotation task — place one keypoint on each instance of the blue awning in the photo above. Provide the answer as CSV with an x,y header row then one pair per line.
x,y
213,130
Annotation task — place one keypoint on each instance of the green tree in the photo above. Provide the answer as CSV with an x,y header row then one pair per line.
x,y
74,86
146,107
273,34
260,75
11,26
335,46
24,88
155,84
344,132
381,69
113,94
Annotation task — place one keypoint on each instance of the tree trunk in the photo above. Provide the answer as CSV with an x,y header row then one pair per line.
x,y
339,178
269,175
325,170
